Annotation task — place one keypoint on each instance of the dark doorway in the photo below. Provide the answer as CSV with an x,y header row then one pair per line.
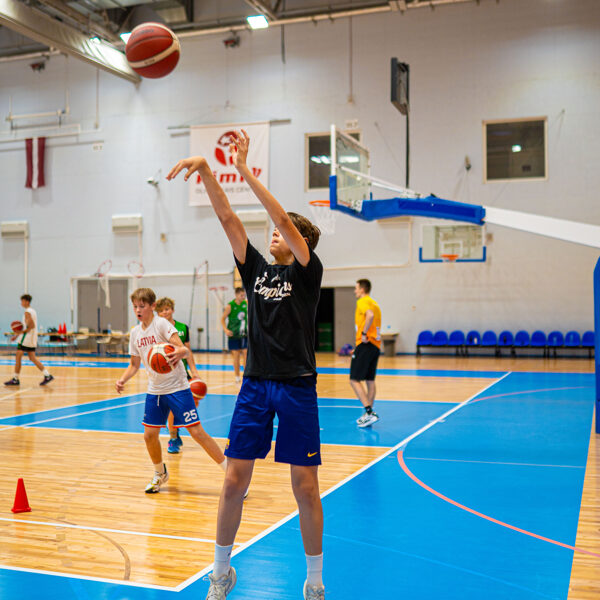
x,y
325,321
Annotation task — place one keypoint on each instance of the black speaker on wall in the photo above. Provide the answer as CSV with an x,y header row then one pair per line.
x,y
400,77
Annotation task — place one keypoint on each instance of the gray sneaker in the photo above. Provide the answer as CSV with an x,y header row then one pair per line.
x,y
313,592
220,587
159,478
367,419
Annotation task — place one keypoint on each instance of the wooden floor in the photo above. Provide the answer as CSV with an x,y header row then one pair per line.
x,y
85,487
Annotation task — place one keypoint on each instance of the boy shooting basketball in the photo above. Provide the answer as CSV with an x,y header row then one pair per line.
x,y
168,392
280,373
28,344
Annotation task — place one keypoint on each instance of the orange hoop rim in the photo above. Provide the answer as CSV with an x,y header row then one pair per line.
x,y
319,203
449,257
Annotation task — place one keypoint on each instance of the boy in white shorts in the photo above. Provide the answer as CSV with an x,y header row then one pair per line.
x,y
168,392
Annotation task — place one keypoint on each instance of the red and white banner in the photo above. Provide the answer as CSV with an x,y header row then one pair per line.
x,y
212,142
35,149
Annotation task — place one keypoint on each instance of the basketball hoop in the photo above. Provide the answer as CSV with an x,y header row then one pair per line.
x,y
104,268
102,275
449,258
324,216
136,268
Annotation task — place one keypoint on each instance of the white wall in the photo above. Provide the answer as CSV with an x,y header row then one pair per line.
x,y
517,58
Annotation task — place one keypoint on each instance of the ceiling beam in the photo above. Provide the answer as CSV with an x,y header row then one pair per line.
x,y
51,32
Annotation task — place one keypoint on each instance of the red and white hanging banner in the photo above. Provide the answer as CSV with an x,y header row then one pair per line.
x,y
212,142
35,149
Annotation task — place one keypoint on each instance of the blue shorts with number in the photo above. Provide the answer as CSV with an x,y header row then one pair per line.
x,y
294,401
180,403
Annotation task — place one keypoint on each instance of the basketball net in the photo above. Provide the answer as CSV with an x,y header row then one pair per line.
x,y
449,259
136,269
323,215
102,275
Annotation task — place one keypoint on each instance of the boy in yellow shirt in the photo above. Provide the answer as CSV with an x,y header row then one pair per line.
x,y
363,366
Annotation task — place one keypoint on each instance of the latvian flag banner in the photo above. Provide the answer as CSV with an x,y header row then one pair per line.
x,y
35,148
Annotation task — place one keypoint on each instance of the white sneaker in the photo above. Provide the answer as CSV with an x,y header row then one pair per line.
x,y
367,419
220,587
159,478
313,592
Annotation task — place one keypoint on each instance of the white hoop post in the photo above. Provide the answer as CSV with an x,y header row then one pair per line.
x,y
103,283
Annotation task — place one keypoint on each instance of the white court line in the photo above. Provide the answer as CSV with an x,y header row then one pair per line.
x,y
87,578
119,531
15,393
405,441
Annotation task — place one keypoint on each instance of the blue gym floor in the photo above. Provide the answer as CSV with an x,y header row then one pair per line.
x,y
478,500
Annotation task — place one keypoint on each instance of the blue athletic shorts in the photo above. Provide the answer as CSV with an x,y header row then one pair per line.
x,y
294,401
180,403
237,343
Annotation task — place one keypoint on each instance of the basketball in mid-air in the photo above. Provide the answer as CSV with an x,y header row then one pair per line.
x,y
152,50
198,388
17,327
157,358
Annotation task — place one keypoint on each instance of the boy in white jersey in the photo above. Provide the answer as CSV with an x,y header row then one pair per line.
x,y
168,392
28,343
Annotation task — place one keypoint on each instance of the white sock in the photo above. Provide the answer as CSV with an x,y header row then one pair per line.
x,y
160,467
223,465
222,560
16,376
314,570
45,373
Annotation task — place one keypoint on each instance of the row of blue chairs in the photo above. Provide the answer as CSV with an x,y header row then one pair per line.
x,y
506,339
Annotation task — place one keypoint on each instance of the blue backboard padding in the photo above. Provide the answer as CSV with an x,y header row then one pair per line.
x,y
431,207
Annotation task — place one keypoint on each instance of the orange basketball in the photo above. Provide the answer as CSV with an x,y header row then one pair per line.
x,y
17,326
198,388
157,358
152,50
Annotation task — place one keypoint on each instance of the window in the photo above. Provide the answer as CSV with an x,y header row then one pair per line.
x,y
318,159
515,149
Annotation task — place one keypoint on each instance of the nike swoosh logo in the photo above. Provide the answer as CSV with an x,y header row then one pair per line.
x,y
311,454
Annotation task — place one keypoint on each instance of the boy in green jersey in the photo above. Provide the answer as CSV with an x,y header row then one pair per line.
x,y
236,328
164,308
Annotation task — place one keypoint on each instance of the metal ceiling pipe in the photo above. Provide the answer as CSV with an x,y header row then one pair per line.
x,y
324,16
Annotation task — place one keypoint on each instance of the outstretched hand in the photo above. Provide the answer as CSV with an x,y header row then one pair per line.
x,y
240,141
192,164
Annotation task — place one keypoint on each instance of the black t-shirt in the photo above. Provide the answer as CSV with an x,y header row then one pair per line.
x,y
282,306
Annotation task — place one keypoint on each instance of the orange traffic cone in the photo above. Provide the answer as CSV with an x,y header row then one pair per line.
x,y
21,502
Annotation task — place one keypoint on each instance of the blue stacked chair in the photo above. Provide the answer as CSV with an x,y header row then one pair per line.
x,y
490,340
572,339
425,339
587,341
473,339
457,340
506,340
538,340
555,340
521,341
440,338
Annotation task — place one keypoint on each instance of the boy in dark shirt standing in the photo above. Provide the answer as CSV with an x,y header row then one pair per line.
x,y
280,374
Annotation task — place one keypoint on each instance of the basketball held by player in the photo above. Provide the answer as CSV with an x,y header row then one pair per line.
x,y
168,392
27,339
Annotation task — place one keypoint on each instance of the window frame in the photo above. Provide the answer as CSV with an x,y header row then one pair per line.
x,y
307,136
487,122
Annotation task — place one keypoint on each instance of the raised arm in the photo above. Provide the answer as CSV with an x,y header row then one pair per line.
x,y
233,227
280,218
